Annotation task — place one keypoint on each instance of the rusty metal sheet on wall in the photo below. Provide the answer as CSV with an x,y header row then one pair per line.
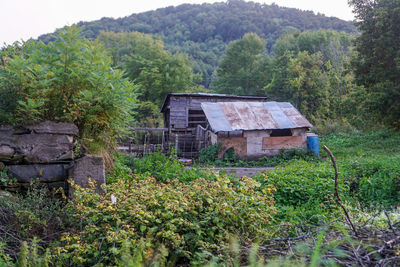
x,y
282,142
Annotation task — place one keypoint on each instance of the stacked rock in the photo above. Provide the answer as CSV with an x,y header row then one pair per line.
x,y
45,151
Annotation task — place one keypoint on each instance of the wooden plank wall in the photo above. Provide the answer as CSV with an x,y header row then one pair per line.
x,y
178,112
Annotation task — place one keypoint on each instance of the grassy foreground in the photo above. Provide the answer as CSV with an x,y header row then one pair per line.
x,y
156,213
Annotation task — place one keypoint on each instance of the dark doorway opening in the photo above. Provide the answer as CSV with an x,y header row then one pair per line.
x,y
281,132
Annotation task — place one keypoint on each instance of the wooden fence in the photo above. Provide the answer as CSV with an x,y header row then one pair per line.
x,y
143,141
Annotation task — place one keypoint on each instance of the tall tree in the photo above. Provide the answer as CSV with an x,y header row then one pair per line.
x,y
311,70
310,85
242,68
154,70
377,64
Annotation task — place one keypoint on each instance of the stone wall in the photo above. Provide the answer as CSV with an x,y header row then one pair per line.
x,y
45,151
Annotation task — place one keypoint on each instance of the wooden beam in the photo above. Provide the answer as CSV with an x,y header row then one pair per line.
x,y
151,129
196,122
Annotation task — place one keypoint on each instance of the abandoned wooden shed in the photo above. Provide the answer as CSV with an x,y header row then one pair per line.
x,y
186,122
256,129
183,112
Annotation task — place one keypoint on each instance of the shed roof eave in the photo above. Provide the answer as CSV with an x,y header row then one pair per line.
x,y
250,130
163,107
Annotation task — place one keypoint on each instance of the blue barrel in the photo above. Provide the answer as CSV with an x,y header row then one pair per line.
x,y
312,143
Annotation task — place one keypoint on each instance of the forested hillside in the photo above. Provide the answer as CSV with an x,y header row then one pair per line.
x,y
203,31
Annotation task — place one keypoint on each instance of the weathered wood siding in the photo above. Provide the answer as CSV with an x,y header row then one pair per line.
x,y
178,113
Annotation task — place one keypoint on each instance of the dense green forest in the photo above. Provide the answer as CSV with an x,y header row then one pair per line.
x,y
203,31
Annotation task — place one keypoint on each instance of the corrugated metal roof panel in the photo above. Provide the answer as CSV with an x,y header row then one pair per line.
x,y
216,118
279,116
232,116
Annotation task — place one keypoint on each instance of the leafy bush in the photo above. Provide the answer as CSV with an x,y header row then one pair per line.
x,y
30,256
119,171
374,181
5,178
5,259
161,166
24,217
69,80
304,190
165,168
187,219
334,127
209,154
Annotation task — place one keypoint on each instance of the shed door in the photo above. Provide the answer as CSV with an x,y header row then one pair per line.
x,y
179,113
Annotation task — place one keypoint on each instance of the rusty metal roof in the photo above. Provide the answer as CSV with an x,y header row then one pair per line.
x,y
233,116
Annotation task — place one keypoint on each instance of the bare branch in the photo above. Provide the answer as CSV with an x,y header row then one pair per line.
x,y
338,200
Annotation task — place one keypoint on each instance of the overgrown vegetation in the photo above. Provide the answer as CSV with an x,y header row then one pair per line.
x,y
160,213
210,157
160,166
192,220
68,80
36,215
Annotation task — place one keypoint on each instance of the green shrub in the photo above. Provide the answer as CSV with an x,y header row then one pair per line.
x,y
304,190
334,127
30,255
5,259
119,171
5,178
161,166
36,214
165,168
209,156
374,181
69,80
285,156
188,219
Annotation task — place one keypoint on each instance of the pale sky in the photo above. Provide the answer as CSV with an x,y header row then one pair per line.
x,y
24,19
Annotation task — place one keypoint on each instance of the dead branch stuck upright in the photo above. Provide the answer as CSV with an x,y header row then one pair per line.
x,y
338,200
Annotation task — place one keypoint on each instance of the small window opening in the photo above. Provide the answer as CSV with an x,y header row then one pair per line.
x,y
197,117
281,132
